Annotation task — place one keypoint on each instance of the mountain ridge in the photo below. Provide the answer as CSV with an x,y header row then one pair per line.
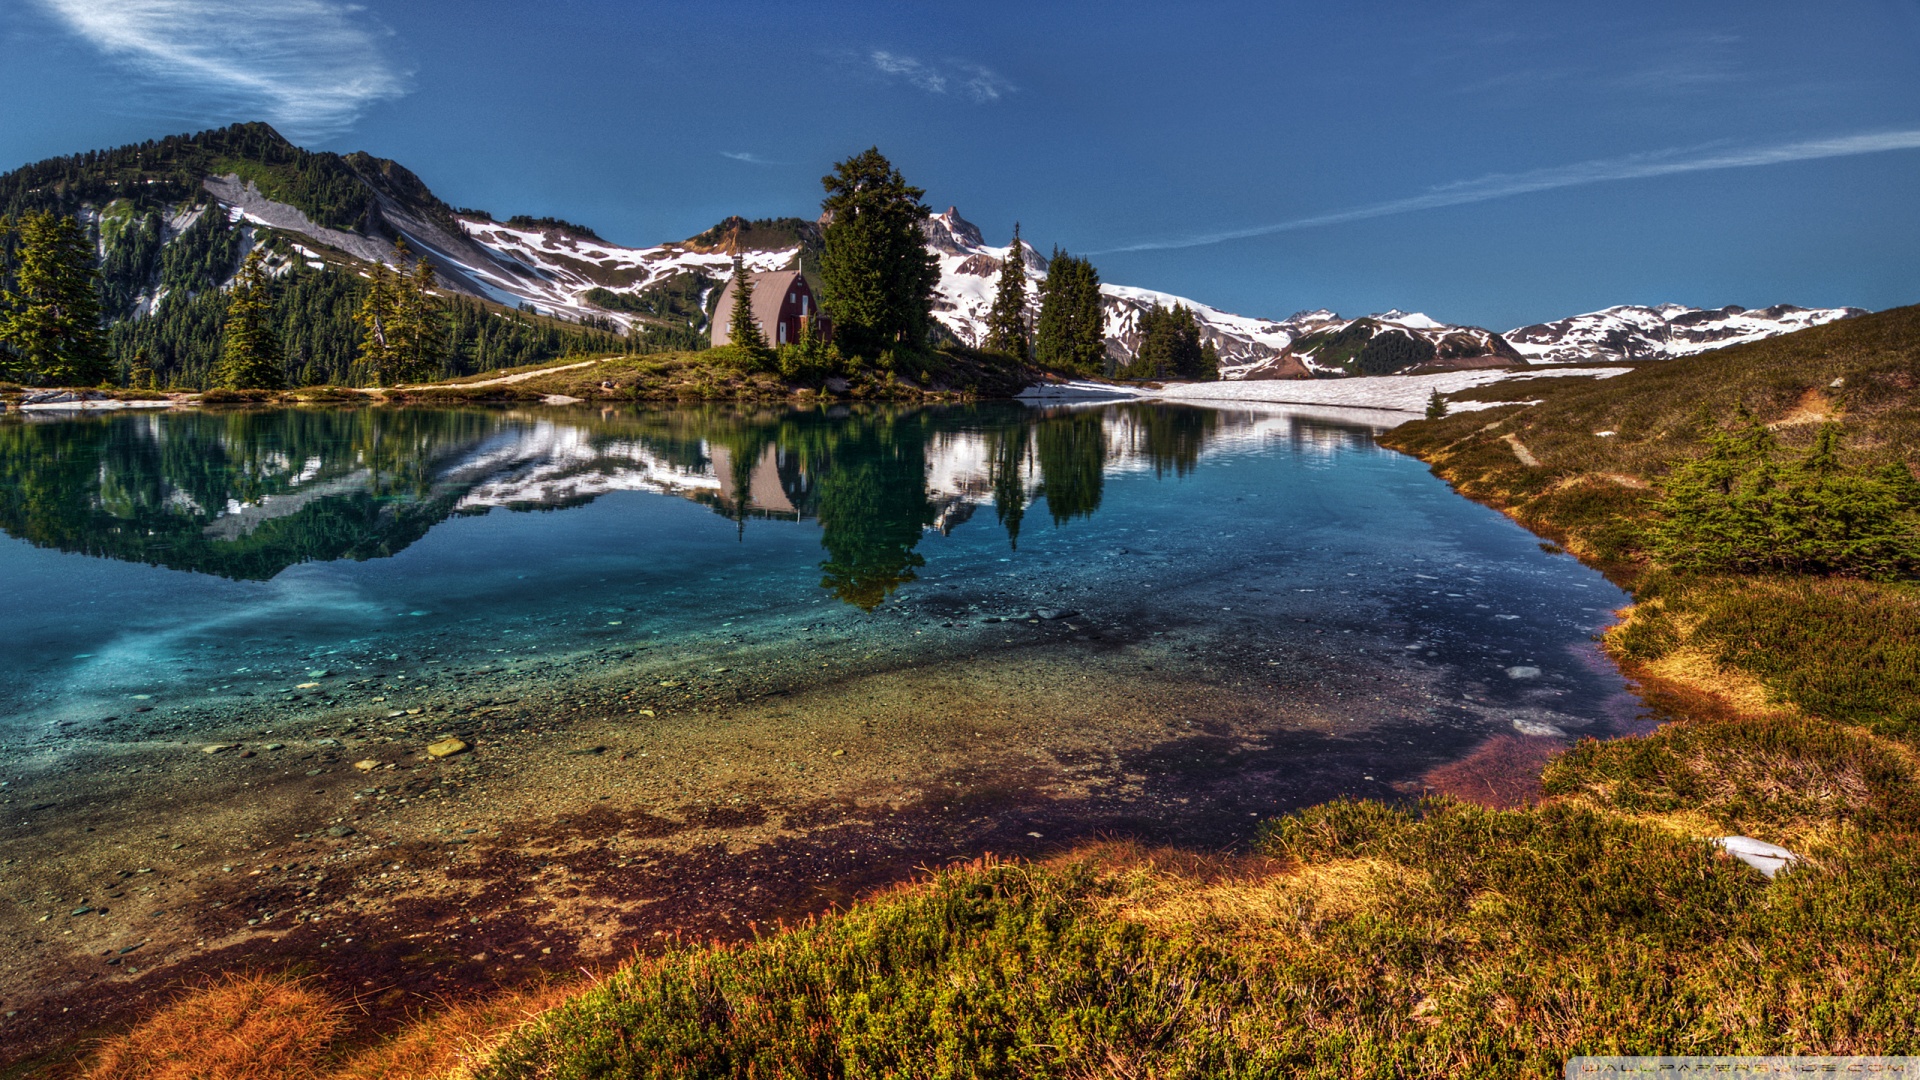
x,y
346,211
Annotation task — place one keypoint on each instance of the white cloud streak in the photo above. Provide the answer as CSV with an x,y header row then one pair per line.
x,y
981,84
748,158
1506,185
310,67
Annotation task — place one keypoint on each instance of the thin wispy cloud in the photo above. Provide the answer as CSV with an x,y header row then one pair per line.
x,y
750,159
310,67
1506,185
981,84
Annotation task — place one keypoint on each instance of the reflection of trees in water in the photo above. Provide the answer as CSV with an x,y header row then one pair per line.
x,y
1007,458
873,510
1072,453
246,494
154,489
1171,436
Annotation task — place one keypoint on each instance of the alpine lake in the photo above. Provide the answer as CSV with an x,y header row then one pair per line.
x,y
704,669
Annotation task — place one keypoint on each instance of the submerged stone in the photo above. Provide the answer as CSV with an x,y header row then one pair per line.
x,y
446,748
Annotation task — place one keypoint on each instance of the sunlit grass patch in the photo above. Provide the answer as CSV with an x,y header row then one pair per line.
x,y
243,1027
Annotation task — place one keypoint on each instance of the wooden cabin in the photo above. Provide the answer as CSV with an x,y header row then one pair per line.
x,y
781,298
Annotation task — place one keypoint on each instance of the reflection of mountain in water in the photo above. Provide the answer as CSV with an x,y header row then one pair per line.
x,y
247,494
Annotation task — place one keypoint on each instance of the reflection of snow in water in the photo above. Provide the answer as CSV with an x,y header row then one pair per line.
x,y
551,463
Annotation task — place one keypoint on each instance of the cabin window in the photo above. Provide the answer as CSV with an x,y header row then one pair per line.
x,y
803,305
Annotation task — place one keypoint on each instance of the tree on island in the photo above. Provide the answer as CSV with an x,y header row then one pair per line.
x,y
1071,332
50,313
876,274
250,359
1007,320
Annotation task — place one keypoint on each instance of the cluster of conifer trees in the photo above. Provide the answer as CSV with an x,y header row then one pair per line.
x,y
1740,509
1170,347
152,315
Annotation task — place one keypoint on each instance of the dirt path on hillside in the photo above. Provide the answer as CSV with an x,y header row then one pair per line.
x,y
501,381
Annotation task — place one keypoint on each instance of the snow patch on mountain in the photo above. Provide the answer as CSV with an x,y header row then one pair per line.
x,y
1631,332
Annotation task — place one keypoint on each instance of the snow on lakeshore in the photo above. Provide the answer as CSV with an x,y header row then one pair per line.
x,y
1396,393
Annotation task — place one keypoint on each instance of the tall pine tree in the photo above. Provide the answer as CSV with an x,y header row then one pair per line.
x,y
419,332
1007,320
743,330
251,359
50,318
379,344
1071,332
876,274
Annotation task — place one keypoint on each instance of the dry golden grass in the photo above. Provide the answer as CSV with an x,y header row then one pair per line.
x,y
277,1027
448,1043
243,1027
1697,669
1255,907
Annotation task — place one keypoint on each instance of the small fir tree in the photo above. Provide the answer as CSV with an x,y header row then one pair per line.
x,y
50,317
1738,509
1436,406
1007,321
811,358
743,330
140,371
250,358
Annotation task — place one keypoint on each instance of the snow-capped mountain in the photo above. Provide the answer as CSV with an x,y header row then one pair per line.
x,y
345,212
561,270
1249,348
1659,333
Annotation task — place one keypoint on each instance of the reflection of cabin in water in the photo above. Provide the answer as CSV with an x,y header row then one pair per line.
x,y
781,298
773,485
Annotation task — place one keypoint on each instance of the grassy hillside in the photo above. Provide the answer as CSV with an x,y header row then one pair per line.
x,y
1436,939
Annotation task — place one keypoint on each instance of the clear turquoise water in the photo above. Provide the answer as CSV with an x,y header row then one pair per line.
x,y
160,561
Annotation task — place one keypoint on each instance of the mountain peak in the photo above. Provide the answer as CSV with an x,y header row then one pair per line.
x,y
952,234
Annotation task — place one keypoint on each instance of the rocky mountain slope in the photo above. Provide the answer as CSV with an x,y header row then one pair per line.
x,y
344,212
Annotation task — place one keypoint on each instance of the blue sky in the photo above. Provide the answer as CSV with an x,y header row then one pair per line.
x,y
1492,163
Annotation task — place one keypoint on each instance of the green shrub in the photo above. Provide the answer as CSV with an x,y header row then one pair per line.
x,y
1738,509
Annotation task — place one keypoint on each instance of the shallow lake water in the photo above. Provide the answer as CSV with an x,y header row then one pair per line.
x,y
712,666
161,561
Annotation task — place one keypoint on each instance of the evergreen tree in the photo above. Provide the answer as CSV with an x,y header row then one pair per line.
x,y
251,358
876,274
140,371
1170,347
50,317
743,330
420,331
810,358
1071,332
1007,321
1738,509
379,345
